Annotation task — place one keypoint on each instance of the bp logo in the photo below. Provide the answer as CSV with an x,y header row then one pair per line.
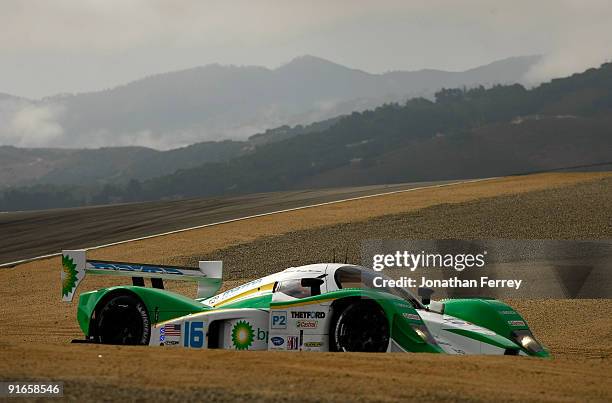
x,y
69,275
242,335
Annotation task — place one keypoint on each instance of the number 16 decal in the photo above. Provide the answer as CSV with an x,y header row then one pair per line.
x,y
194,334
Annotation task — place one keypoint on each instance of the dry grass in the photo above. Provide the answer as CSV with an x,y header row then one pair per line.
x,y
36,326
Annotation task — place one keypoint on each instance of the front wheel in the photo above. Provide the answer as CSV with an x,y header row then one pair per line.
x,y
124,320
361,326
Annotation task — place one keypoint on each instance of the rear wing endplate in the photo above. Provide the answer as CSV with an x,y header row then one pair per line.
x,y
75,265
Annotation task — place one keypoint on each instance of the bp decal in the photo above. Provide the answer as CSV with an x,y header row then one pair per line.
x,y
242,335
69,275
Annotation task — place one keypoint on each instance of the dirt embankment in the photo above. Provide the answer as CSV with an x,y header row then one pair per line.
x,y
36,327
582,211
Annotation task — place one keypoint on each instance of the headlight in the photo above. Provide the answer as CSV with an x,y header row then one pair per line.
x,y
525,339
423,333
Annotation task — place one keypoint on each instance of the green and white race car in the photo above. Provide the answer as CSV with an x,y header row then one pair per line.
x,y
318,307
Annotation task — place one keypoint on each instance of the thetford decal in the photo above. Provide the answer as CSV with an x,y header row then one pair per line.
x,y
308,315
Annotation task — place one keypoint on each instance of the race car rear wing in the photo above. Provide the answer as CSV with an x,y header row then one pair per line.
x,y
75,266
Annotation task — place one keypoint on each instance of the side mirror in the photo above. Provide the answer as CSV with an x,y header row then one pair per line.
x,y
314,284
425,294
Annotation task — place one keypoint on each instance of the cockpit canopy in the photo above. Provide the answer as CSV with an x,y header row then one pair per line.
x,y
361,277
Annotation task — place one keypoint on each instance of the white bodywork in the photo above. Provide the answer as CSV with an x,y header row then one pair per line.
x,y
298,327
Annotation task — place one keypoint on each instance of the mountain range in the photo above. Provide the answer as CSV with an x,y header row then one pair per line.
x,y
461,133
216,102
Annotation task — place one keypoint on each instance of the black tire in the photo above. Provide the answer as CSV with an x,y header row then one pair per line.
x,y
124,319
361,326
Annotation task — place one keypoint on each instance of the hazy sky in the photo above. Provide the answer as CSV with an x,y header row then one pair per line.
x,y
55,46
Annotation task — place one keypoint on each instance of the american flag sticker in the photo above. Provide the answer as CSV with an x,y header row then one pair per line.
x,y
170,330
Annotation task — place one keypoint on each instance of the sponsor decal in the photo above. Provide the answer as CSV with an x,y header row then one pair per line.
x,y
313,344
135,268
293,343
170,343
308,315
411,316
229,293
455,321
307,324
277,341
69,275
171,330
279,320
262,334
242,335
507,312
516,323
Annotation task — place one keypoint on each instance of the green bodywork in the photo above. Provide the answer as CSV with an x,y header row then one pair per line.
x,y
162,305
400,314
493,315
403,319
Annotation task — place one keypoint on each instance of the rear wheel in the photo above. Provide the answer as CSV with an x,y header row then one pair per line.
x,y
124,320
361,326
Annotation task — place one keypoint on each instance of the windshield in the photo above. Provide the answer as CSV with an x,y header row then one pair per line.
x,y
354,277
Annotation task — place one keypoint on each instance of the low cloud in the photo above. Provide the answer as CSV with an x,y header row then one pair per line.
x,y
565,63
26,124
581,41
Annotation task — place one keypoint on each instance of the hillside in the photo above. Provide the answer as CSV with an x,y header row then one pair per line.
x,y
217,102
118,165
463,133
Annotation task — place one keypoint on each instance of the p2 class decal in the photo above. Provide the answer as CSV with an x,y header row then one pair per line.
x,y
278,320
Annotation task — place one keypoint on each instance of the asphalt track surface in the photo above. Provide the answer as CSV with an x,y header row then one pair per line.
x,y
28,234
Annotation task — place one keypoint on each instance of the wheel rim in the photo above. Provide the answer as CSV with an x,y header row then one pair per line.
x,y
362,328
121,322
